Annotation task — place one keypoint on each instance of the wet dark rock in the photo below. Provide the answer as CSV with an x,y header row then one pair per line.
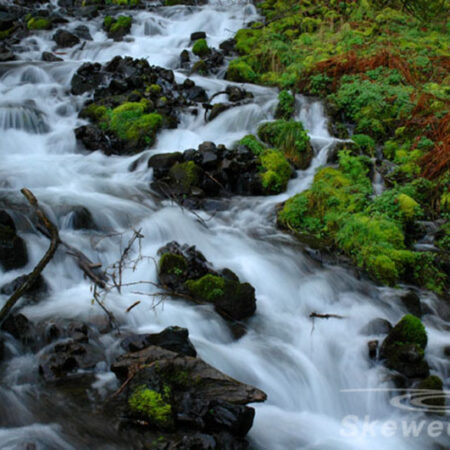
x,y
175,339
64,38
184,57
92,138
82,219
86,78
412,303
6,54
162,162
19,327
198,35
38,288
228,46
376,326
185,271
64,358
236,94
13,251
82,31
50,57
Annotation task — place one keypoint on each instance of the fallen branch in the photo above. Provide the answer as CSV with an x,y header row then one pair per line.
x,y
33,276
314,315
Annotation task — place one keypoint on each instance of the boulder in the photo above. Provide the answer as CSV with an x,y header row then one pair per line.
x,y
50,57
186,271
64,38
403,349
412,303
13,250
198,35
20,328
172,392
175,339
38,288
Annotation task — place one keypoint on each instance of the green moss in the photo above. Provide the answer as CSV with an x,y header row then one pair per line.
x,y
408,206
286,105
246,40
154,89
6,33
239,71
207,288
276,171
171,263
410,330
186,175
365,143
200,48
152,406
107,22
252,143
121,23
39,23
291,138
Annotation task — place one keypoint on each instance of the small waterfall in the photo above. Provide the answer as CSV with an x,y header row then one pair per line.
x,y
23,117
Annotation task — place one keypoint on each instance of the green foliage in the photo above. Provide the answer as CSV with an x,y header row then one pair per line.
x,y
121,23
200,48
207,288
39,23
375,107
365,143
276,171
252,143
240,71
286,105
291,138
246,40
151,405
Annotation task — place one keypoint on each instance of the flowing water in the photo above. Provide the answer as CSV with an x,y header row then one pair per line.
x,y
303,366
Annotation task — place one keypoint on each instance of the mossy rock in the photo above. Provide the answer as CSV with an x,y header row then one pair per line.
x,y
185,176
152,406
291,138
252,143
403,349
232,299
276,171
239,71
171,264
118,27
200,48
39,23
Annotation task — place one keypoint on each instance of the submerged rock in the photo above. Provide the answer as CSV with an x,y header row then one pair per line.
x,y
185,271
64,38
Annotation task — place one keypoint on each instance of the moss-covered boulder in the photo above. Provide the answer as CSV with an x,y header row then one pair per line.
x,y
185,270
181,396
291,138
403,349
13,250
39,23
117,28
201,48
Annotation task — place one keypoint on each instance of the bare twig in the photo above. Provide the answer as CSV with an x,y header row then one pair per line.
x,y
314,315
33,276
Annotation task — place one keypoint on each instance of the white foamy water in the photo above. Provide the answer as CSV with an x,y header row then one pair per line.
x,y
302,365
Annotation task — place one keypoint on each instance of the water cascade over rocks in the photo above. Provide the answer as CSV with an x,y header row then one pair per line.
x,y
217,348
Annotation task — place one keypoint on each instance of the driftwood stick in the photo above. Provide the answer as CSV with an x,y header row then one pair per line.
x,y
314,315
33,276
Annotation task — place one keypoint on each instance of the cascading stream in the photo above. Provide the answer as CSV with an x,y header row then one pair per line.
x,y
302,365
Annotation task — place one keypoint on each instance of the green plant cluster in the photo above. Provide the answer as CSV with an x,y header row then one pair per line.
x,y
290,138
119,24
132,122
286,105
39,23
